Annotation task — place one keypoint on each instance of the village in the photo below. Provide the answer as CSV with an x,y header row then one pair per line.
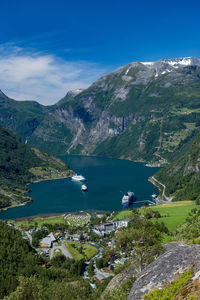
x,y
80,237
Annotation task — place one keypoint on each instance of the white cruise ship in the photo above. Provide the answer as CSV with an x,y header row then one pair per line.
x,y
78,178
128,199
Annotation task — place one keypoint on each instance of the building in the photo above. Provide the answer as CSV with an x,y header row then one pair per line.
x,y
103,229
110,268
47,242
122,223
107,228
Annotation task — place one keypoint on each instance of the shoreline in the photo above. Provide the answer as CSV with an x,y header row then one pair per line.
x,y
45,216
65,177
27,192
48,215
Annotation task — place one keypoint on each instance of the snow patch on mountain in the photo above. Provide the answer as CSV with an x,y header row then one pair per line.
x,y
148,63
186,61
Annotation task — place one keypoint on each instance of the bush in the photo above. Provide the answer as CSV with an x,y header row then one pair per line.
x,y
170,291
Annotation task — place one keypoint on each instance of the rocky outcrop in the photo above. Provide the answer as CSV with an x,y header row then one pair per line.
x,y
178,258
127,274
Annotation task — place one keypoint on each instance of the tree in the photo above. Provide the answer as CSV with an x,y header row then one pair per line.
x,y
91,269
101,263
29,288
197,201
82,237
142,240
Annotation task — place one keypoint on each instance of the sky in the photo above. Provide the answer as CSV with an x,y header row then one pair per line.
x,y
48,47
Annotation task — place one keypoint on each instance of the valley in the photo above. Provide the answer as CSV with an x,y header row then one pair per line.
x,y
142,112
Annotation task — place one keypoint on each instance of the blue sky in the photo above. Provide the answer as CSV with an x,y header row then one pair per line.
x,y
50,47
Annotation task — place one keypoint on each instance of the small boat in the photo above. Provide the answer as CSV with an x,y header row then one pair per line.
x,y
154,196
78,178
84,188
128,199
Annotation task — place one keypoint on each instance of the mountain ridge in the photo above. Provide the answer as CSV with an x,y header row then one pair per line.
x,y
144,111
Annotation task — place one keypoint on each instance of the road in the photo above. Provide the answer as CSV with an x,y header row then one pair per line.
x,y
63,248
169,199
99,274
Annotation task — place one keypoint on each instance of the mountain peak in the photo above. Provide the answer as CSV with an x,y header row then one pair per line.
x,y
70,95
184,61
74,92
175,62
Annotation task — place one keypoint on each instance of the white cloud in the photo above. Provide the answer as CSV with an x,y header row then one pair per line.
x,y
28,75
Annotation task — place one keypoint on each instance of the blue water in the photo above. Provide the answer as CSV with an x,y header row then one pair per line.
x,y
107,180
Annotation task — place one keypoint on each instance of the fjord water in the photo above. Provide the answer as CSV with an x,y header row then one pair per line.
x,y
107,180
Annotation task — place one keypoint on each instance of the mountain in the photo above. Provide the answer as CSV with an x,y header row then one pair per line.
x,y
145,111
20,165
182,177
20,117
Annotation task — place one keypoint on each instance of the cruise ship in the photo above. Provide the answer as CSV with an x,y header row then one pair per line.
x,y
128,199
78,178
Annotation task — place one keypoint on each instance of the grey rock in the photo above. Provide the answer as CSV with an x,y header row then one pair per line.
x,y
177,259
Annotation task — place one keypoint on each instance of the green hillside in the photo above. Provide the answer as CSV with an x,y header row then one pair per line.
x,y
142,111
26,275
20,165
182,177
20,117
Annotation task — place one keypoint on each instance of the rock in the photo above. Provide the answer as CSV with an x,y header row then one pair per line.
x,y
178,258
121,278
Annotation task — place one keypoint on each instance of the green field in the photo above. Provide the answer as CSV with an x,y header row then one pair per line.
x,y
40,221
173,214
81,251
127,213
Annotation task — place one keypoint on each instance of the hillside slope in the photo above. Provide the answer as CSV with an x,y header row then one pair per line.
x,y
20,165
141,111
182,177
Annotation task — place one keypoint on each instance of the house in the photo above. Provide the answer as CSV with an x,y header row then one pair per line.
x,y
76,237
120,261
99,277
48,241
110,268
107,228
122,223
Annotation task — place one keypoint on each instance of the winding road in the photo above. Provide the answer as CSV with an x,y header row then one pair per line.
x,y
169,199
